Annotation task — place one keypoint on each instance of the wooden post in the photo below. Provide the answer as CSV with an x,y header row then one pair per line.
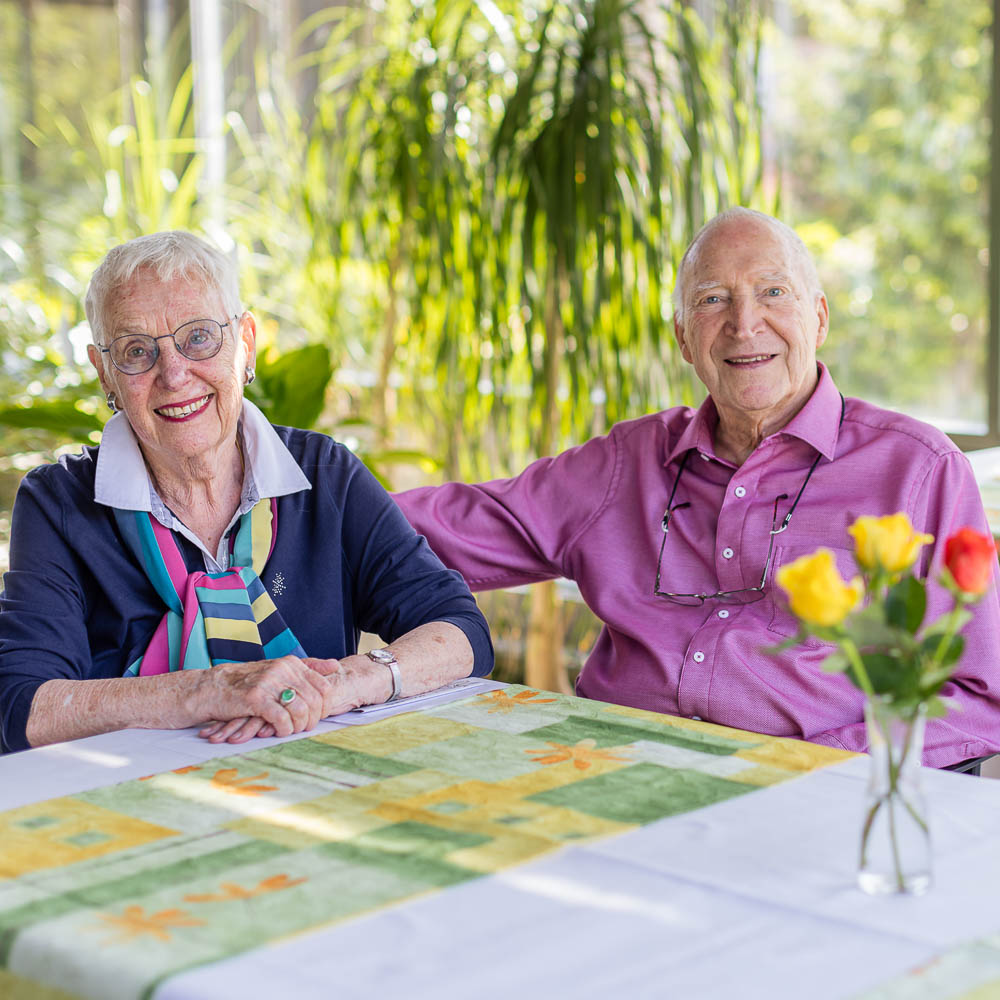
x,y
543,660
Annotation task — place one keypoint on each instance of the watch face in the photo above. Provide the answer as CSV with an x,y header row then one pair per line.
x,y
382,655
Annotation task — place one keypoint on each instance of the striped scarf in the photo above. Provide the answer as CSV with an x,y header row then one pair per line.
x,y
211,618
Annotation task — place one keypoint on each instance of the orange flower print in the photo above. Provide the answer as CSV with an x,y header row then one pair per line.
x,y
583,754
503,702
134,922
176,770
227,778
231,891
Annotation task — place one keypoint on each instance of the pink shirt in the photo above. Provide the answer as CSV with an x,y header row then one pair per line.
x,y
593,515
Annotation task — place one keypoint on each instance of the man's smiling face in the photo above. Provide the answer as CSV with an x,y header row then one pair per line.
x,y
750,323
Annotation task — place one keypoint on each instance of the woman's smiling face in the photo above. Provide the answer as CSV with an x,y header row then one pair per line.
x,y
180,409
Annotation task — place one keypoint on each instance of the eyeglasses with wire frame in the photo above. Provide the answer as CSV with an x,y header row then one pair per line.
x,y
196,340
744,595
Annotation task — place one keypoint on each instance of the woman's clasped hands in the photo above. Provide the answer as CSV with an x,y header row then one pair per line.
x,y
274,697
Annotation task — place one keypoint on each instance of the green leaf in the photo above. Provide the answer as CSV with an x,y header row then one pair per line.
x,y
951,653
408,456
906,603
836,663
868,629
890,675
962,618
936,708
292,390
58,416
785,644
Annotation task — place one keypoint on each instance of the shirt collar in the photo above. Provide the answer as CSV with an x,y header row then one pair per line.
x,y
121,479
817,423
699,433
270,463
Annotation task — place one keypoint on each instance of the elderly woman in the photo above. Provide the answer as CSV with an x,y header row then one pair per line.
x,y
197,535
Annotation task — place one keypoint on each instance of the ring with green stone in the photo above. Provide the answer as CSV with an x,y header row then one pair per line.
x,y
287,696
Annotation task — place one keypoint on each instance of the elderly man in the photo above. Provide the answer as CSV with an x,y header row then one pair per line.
x,y
689,612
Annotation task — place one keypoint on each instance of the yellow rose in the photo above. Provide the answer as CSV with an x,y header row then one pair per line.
x,y
816,591
888,543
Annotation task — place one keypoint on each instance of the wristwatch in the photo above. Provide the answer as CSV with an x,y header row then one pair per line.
x,y
387,659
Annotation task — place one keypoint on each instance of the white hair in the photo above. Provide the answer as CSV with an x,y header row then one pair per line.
x,y
164,256
791,239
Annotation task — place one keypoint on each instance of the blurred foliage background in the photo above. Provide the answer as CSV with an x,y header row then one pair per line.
x,y
457,221
885,129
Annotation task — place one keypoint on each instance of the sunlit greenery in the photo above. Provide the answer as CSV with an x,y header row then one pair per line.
x,y
886,143
522,186
458,220
470,211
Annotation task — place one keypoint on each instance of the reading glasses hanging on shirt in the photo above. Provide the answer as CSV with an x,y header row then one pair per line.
x,y
745,595
136,353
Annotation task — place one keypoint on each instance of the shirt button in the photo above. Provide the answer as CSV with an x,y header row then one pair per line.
x,y
723,613
740,491
698,657
704,457
727,553
696,718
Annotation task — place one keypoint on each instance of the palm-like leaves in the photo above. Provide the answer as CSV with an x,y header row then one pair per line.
x,y
520,182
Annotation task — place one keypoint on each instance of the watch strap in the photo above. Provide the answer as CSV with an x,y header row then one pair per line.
x,y
387,659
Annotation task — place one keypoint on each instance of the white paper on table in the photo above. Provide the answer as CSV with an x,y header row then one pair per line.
x,y
439,696
96,761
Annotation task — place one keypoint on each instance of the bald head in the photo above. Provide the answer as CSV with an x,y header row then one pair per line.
x,y
796,248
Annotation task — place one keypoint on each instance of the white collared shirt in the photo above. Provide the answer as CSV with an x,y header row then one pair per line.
x,y
123,481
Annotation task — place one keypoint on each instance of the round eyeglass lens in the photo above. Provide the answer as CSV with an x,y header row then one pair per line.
x,y
741,597
199,340
687,600
134,354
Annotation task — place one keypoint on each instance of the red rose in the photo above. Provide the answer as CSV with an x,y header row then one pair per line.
x,y
971,559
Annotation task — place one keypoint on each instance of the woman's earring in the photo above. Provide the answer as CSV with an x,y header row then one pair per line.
x,y
112,402
248,375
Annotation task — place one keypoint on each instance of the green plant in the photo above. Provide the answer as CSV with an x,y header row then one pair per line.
x,y
899,661
885,139
520,182
477,212
291,387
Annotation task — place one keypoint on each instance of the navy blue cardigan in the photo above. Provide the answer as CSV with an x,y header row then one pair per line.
x,y
77,605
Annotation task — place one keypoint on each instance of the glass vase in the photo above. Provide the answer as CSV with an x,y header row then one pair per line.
x,y
895,836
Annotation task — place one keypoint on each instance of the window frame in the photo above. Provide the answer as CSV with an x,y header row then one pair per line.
x,y
991,439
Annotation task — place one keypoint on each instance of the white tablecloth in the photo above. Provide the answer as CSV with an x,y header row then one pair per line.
x,y
752,897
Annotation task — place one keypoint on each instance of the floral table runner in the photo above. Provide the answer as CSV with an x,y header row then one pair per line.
x,y
105,893
968,972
